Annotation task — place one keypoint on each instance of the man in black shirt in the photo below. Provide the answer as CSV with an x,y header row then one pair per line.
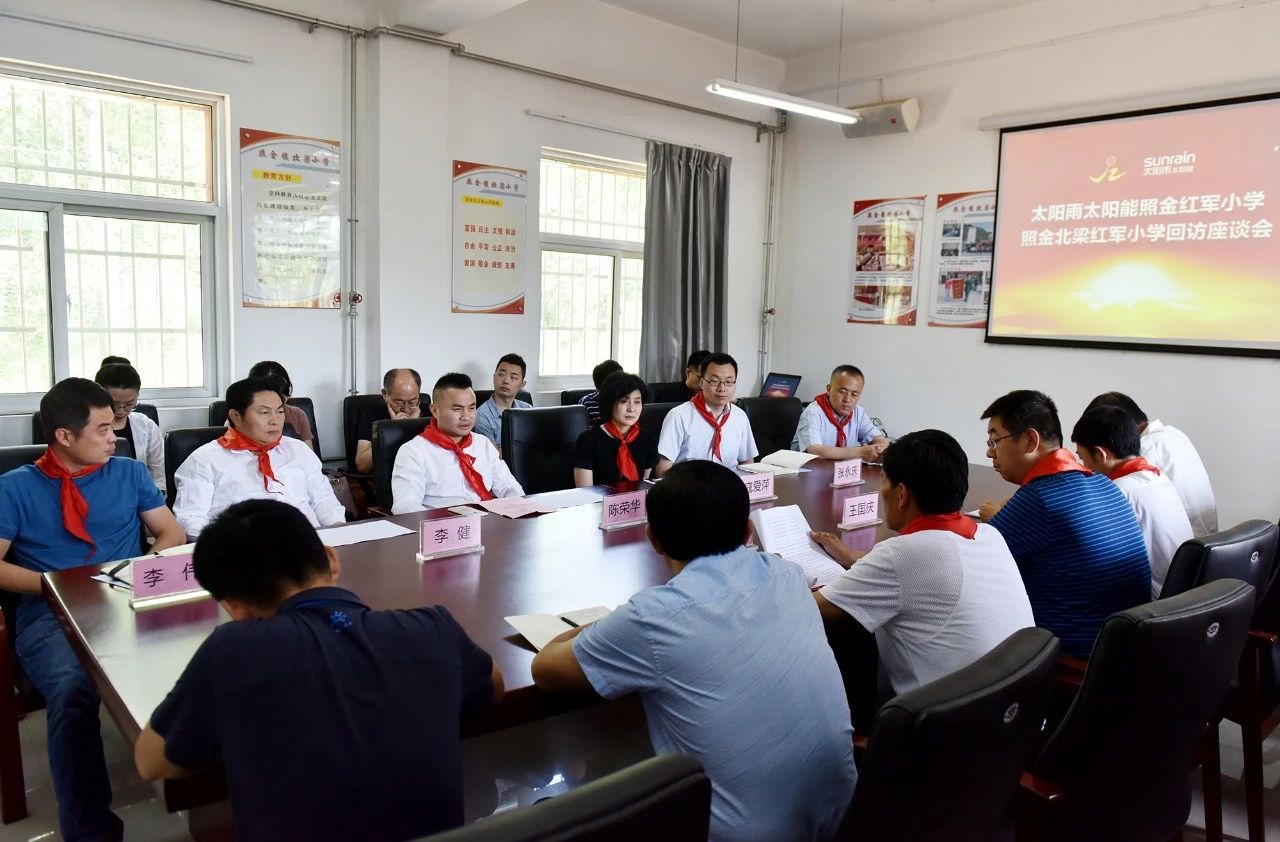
x,y
334,721
692,385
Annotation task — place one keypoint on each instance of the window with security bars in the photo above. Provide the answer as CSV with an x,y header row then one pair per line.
x,y
591,214
106,233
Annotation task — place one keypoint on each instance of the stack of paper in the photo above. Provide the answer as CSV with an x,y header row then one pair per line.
x,y
541,629
368,530
780,462
784,531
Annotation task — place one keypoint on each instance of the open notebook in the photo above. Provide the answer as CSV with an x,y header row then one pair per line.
x,y
783,531
780,462
540,629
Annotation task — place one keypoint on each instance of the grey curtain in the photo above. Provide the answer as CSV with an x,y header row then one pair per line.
x,y
685,277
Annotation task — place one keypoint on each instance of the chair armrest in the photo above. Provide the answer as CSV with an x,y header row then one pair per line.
x,y
1070,674
1038,790
1262,639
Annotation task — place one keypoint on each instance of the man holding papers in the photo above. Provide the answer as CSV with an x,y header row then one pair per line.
x,y
731,664
834,426
709,426
946,590
448,464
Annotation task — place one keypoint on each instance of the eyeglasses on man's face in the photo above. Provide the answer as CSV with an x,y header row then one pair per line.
x,y
991,443
401,406
717,384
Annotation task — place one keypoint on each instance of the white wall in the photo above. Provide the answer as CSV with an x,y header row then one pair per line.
x,y
936,377
419,109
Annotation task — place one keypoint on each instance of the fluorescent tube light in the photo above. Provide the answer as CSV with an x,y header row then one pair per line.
x,y
760,96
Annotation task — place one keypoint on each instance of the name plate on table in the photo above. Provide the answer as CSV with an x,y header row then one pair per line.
x,y
759,487
861,511
846,473
619,510
448,536
163,580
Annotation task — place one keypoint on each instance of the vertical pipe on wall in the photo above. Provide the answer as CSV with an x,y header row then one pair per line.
x,y
353,297
769,286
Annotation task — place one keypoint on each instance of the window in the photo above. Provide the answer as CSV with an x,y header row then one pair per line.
x,y
591,218
107,218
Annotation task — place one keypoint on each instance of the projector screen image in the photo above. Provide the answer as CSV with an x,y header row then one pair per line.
x,y
1149,230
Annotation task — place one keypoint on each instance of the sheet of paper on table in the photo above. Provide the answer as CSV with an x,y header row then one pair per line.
x,y
355,533
511,507
541,629
780,462
784,531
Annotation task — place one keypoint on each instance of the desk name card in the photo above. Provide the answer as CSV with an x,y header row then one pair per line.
x,y
759,487
626,509
448,536
846,473
861,511
163,580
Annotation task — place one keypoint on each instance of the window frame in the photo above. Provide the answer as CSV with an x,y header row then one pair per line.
x,y
212,216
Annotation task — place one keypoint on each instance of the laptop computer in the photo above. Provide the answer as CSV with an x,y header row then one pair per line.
x,y
780,385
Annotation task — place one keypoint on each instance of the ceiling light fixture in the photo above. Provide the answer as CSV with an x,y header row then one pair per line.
x,y
775,99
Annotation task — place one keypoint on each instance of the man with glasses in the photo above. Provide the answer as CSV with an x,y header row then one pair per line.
x,y
709,426
834,426
401,398
684,390
1074,536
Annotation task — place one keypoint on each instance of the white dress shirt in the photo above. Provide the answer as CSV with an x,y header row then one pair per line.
x,y
148,446
815,428
1163,520
1169,449
687,435
214,477
427,476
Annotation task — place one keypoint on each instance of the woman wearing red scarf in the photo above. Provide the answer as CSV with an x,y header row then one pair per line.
x,y
617,450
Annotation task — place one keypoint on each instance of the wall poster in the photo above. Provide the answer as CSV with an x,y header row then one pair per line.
x,y
962,274
886,262
290,220
488,238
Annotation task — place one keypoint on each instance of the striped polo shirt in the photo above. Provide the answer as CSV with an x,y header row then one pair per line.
x,y
1080,549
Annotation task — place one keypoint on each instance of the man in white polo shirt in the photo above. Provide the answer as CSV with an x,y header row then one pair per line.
x,y
834,426
253,459
709,426
946,590
1107,442
1169,449
448,464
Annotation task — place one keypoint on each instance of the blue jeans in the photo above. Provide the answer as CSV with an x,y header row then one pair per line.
x,y
75,742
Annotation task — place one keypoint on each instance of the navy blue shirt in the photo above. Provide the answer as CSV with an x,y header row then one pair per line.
x,y
334,721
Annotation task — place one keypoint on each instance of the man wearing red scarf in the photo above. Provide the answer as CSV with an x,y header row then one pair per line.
x,y
448,464
834,426
76,505
945,591
253,459
1107,441
709,426
1074,536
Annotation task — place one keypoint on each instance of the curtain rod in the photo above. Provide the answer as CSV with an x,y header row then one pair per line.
x,y
562,118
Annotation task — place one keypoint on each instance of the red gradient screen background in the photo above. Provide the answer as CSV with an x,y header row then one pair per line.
x,y
1083,254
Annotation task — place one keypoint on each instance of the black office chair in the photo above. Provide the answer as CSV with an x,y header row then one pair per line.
x,y
178,445
483,395
355,406
37,430
388,438
670,391
666,797
773,421
309,408
17,455
943,761
1245,552
653,414
571,396
124,449
537,444
1118,767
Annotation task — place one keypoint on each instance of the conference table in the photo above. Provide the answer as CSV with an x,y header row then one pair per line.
x,y
531,744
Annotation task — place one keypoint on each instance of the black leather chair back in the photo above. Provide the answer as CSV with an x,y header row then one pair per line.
x,y
943,761
666,798
217,413
773,421
571,396
483,395
17,455
178,445
537,445
653,414
37,429
1245,552
388,437
353,406
1157,674
124,449
666,391
309,408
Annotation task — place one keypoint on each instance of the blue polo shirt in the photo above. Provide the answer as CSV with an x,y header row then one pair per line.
x,y
733,667
334,721
489,419
1080,549
31,515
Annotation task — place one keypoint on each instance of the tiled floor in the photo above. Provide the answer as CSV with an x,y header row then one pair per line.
x,y
145,818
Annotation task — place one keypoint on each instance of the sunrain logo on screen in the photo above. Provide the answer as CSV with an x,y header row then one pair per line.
x,y
1182,162
1110,173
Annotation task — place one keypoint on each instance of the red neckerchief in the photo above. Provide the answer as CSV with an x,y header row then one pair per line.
x,y
1059,461
825,405
700,404
965,527
626,463
1132,466
466,461
232,440
74,507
